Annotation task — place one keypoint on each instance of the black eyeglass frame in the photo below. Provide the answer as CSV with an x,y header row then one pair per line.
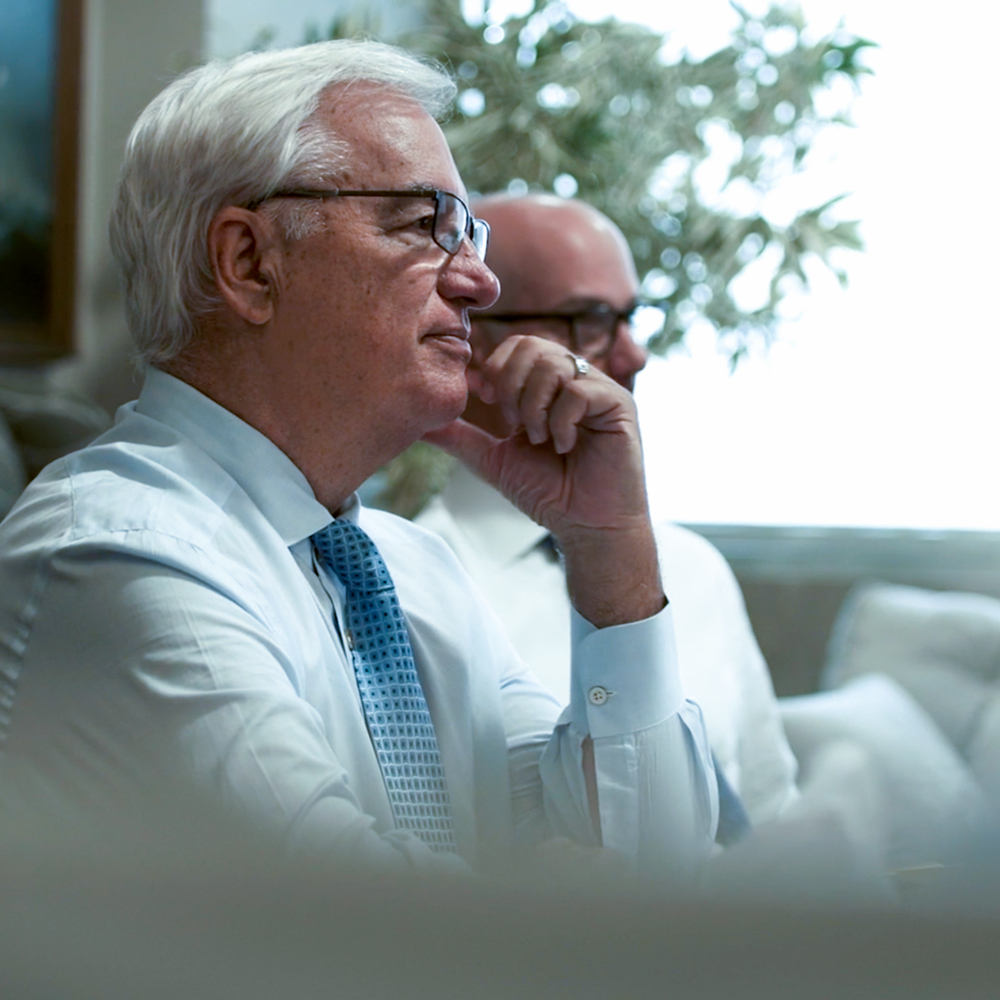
x,y
611,317
477,230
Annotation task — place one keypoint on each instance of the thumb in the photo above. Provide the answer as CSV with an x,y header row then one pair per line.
x,y
469,444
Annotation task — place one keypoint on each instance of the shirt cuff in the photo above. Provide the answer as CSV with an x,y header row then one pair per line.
x,y
625,677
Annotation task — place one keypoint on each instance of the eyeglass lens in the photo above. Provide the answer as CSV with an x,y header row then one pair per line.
x,y
453,222
594,331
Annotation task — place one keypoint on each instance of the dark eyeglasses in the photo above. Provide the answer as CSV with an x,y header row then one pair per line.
x,y
452,219
592,331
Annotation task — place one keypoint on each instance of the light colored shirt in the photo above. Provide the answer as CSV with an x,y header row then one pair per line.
x,y
162,618
720,663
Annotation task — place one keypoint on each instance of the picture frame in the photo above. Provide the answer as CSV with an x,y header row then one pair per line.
x,y
40,89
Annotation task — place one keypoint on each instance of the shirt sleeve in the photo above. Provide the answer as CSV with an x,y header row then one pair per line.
x,y
656,788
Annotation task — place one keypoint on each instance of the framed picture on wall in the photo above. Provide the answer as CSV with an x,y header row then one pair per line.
x,y
40,58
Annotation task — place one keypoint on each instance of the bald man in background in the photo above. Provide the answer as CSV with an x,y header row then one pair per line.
x,y
567,274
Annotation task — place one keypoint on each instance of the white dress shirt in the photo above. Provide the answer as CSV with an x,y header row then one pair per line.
x,y
162,618
721,665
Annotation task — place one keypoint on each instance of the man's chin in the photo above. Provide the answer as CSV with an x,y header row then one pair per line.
x,y
444,421
449,405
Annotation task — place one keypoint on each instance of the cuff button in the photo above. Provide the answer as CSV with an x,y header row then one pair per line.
x,y
598,695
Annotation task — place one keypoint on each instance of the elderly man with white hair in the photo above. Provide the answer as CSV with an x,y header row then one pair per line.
x,y
198,600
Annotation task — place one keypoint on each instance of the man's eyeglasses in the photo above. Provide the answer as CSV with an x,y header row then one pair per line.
x,y
452,219
592,331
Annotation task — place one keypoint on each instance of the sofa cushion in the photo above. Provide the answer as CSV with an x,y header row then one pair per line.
x,y
929,799
943,647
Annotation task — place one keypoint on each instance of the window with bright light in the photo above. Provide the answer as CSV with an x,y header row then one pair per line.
x,y
879,404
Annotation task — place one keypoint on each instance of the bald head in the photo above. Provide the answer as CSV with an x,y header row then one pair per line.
x,y
542,247
558,256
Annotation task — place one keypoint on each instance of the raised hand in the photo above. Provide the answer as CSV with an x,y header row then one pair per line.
x,y
574,464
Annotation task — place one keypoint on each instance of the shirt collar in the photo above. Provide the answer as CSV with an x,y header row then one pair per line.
x,y
266,474
491,522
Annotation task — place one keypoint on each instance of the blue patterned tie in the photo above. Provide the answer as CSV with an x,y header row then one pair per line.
x,y
395,708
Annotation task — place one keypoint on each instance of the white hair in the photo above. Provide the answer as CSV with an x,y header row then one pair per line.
x,y
231,133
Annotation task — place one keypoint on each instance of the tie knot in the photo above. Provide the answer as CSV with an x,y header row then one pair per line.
x,y
353,557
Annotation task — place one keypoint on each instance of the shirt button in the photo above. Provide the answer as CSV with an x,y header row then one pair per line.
x,y
597,695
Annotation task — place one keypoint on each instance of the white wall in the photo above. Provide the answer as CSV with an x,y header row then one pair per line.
x,y
132,48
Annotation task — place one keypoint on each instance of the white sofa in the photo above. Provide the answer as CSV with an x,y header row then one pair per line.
x,y
911,689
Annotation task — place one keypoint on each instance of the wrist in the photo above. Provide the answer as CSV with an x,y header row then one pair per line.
x,y
613,574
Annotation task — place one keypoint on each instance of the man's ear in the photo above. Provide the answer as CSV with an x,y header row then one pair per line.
x,y
244,253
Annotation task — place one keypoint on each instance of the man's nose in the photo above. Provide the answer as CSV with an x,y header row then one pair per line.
x,y
627,358
466,276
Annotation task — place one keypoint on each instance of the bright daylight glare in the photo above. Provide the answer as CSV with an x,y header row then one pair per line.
x,y
878,405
